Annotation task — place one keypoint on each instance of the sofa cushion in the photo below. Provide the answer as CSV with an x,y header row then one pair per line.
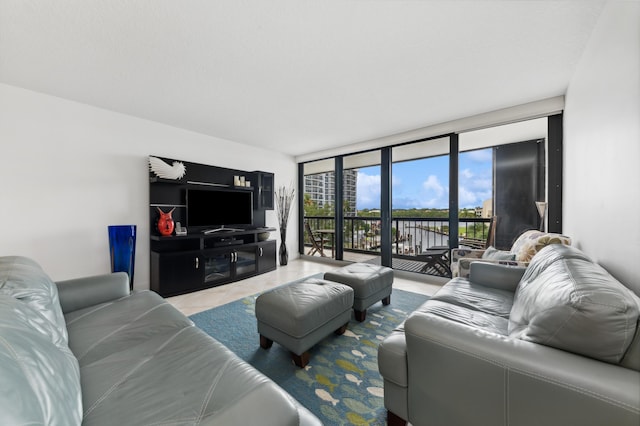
x,y
142,362
490,323
102,330
493,253
566,301
23,279
462,292
40,381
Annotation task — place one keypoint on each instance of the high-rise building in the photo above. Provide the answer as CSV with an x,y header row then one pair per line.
x,y
320,188
350,191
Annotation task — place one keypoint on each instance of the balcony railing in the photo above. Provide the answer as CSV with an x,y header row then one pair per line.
x,y
411,236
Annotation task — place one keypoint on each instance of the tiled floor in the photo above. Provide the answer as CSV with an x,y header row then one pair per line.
x,y
206,299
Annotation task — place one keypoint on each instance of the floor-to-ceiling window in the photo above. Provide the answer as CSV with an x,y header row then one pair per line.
x,y
502,173
361,207
406,201
319,206
475,194
420,201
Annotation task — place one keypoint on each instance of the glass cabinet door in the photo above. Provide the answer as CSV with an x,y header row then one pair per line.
x,y
217,266
265,191
245,260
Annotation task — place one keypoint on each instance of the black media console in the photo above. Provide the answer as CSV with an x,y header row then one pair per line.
x,y
182,264
200,259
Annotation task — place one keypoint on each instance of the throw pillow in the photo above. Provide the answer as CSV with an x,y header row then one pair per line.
x,y
491,253
569,302
531,242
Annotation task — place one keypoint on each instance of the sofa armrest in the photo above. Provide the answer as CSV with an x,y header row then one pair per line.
x,y
83,292
392,365
462,375
495,275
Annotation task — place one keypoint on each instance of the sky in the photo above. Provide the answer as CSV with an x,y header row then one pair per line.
x,y
424,183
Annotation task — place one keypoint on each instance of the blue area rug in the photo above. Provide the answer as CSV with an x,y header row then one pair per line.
x,y
341,384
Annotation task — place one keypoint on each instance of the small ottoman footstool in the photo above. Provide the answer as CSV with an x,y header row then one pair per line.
x,y
370,283
299,315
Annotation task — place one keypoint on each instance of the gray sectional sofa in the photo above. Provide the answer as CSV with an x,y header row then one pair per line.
x,y
87,351
555,343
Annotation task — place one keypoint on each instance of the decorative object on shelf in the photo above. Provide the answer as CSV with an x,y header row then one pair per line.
x,y
161,169
284,198
122,249
180,230
264,236
542,210
241,182
165,222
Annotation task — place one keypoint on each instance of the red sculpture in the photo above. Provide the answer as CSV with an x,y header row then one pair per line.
x,y
165,223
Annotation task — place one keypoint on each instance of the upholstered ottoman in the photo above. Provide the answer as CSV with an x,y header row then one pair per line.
x,y
299,315
370,283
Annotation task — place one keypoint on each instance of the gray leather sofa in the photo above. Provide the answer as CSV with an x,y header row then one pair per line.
x,y
555,343
87,351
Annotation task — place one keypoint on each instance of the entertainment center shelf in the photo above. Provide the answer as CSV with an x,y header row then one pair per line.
x,y
201,241
207,195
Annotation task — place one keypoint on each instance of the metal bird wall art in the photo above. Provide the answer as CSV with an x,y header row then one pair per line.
x,y
165,171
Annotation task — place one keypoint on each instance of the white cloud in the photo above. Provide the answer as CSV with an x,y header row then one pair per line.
x,y
368,191
474,187
430,203
480,155
433,184
469,198
482,184
466,198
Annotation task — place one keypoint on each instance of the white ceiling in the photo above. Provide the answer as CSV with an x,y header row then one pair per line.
x,y
296,76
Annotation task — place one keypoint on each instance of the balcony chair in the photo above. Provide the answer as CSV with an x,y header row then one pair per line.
x,y
480,244
437,257
317,241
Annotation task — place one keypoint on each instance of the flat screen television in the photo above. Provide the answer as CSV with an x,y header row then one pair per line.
x,y
217,208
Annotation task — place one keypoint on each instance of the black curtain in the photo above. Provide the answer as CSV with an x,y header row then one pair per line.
x,y
519,183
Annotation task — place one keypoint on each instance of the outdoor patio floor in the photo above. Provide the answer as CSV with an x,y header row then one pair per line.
x,y
397,263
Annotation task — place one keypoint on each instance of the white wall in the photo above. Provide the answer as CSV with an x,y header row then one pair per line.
x,y
602,144
68,170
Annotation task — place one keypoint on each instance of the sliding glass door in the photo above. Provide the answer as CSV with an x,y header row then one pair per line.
x,y
406,205
319,207
475,195
419,202
361,207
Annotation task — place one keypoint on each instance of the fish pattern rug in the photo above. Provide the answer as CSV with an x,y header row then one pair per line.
x,y
341,384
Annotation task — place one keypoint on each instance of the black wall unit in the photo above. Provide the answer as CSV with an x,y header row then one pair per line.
x,y
199,260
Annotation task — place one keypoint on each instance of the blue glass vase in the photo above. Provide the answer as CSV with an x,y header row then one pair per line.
x,y
122,247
